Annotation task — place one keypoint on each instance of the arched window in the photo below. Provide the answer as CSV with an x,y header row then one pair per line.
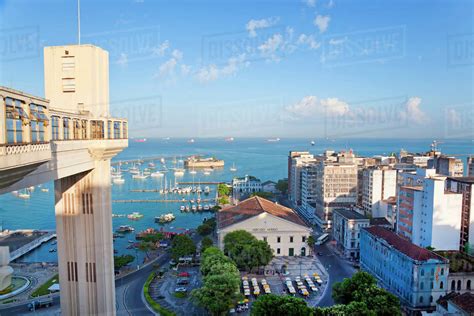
x,y
421,299
459,285
431,299
453,285
422,286
468,285
422,272
432,271
442,271
431,285
441,285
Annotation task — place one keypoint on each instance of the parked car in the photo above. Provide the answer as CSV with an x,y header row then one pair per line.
x,y
42,302
182,281
184,274
181,289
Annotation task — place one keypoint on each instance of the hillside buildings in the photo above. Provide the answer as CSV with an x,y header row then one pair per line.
x,y
279,226
416,275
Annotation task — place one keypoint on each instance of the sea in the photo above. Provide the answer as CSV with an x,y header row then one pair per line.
x,y
267,160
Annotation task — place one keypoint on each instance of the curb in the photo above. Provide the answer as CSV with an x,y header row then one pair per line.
x,y
146,303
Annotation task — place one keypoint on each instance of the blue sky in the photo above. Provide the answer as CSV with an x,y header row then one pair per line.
x,y
323,68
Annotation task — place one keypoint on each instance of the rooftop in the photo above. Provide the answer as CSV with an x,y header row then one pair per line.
x,y
391,200
465,302
350,214
379,221
463,179
402,245
411,187
252,207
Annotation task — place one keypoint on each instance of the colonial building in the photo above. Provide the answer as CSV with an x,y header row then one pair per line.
x,y
455,304
279,226
418,277
347,224
244,186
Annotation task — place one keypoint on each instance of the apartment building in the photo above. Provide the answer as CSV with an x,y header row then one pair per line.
x,y
470,166
428,214
378,184
417,276
296,161
308,192
447,166
465,187
347,224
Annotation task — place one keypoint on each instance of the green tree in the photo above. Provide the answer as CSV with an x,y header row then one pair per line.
x,y
246,251
276,305
146,246
265,195
353,309
182,245
204,229
282,186
206,242
120,261
344,292
223,189
153,237
223,200
311,242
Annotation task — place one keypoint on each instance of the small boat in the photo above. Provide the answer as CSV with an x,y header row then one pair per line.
x,y
162,160
199,207
206,173
151,165
207,190
191,140
135,216
193,208
140,176
156,174
206,207
118,180
187,208
25,194
52,250
192,171
32,188
233,168
165,218
229,139
313,143
191,201
125,229
44,190
179,172
130,241
140,140
182,208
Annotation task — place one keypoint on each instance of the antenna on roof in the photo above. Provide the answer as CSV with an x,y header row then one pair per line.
x,y
79,22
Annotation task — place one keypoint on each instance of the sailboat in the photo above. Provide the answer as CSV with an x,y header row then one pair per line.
x,y
139,176
233,168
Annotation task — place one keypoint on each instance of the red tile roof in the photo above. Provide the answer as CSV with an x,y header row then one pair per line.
x,y
252,207
404,246
465,302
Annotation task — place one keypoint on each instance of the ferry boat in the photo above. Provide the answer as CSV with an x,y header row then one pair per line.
x,y
165,218
135,216
125,229
273,139
233,168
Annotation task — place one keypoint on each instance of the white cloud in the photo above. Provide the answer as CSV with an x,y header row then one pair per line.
x,y
338,41
185,69
311,106
167,68
330,4
212,72
310,3
322,22
309,40
271,47
123,59
413,113
177,54
161,50
253,25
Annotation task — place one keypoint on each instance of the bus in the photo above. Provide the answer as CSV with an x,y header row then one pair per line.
x,y
322,239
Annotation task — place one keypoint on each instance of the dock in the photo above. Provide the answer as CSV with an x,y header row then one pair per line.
x,y
201,183
160,201
32,245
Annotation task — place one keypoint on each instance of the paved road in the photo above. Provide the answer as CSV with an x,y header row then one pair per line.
x,y
337,268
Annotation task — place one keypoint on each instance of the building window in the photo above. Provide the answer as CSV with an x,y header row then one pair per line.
x,y
442,271
291,238
422,272
459,285
453,285
441,285
303,239
15,115
265,239
291,252
278,239
124,126
278,251
468,285
109,130
421,299
55,127
84,129
422,285
69,85
76,127
117,130
65,128
431,298
431,285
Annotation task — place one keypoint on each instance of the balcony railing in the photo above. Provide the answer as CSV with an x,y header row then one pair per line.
x,y
15,149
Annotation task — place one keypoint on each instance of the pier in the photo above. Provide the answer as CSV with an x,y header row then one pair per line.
x,y
161,201
32,245
142,160
201,182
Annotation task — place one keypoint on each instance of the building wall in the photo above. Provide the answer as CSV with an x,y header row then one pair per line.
x,y
461,282
417,284
346,233
378,184
271,227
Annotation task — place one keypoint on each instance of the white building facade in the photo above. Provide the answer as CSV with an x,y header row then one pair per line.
x,y
347,224
377,185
